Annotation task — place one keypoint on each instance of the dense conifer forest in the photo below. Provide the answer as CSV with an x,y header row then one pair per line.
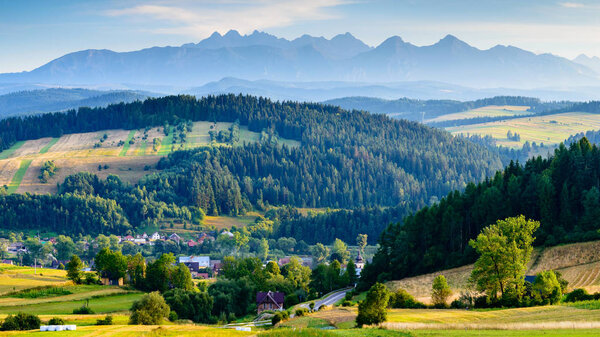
x,y
347,159
562,192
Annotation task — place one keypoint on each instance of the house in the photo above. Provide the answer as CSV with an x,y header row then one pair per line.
x,y
145,236
139,241
283,261
228,233
155,236
16,247
216,266
307,261
129,238
269,301
203,261
7,262
175,237
194,268
192,243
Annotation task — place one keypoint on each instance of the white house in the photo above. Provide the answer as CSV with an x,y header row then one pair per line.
x,y
155,236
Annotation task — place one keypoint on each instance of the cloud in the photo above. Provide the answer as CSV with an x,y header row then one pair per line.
x,y
244,16
572,5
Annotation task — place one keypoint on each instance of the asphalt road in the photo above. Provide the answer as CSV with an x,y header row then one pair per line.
x,y
330,299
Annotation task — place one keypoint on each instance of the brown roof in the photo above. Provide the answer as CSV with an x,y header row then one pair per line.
x,y
270,296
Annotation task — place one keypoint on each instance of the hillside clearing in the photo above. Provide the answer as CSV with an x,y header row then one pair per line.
x,y
18,177
486,111
9,152
550,129
579,264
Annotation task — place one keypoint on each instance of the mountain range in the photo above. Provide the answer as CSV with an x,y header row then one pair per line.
x,y
343,58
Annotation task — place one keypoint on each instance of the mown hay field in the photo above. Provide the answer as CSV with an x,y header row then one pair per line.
x,y
550,129
486,111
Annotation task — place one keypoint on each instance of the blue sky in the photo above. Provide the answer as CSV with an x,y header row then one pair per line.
x,y
35,32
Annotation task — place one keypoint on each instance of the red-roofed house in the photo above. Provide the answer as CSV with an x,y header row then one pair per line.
x,y
269,301
192,243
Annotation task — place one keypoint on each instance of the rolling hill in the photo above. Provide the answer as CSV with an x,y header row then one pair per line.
x,y
342,58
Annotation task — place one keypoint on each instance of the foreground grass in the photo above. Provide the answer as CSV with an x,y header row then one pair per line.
x,y
140,330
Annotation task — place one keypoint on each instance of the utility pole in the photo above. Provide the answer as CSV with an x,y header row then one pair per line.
x,y
35,265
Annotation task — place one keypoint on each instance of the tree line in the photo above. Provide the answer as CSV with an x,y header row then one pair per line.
x,y
561,191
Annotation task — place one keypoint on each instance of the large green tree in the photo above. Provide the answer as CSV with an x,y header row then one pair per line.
x,y
504,250
373,309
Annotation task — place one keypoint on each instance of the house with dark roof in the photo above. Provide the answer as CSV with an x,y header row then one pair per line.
x,y
269,300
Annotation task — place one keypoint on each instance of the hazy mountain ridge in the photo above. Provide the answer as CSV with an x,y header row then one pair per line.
x,y
343,58
57,99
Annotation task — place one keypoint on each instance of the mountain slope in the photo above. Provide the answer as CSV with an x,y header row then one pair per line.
x,y
307,58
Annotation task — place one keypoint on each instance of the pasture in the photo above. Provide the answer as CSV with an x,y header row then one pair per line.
x,y
486,111
20,165
550,129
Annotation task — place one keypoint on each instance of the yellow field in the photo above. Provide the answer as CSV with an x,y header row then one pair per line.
x,y
487,111
13,278
74,153
551,129
579,264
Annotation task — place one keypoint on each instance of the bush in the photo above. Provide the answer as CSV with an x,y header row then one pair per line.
x,y
578,295
173,316
347,303
83,310
91,278
56,321
548,287
402,299
108,320
301,312
278,317
151,309
21,321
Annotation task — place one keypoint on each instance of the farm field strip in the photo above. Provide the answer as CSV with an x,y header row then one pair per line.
x,y
141,150
549,129
127,144
18,177
166,144
49,145
487,111
8,152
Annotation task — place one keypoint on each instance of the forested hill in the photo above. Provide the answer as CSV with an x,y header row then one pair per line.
x,y
562,192
346,159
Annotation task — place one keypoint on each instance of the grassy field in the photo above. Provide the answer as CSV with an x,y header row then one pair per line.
x,y
487,111
18,177
13,278
74,153
49,145
61,306
551,129
127,143
8,152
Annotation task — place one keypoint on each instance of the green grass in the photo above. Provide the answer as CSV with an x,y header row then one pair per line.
x,y
49,145
8,152
502,333
141,151
18,177
41,292
106,304
127,145
166,144
589,305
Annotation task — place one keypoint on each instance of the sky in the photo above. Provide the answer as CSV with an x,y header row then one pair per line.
x,y
34,32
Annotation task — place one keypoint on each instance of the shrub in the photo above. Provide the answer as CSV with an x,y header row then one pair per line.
x,y
347,303
278,317
91,278
301,312
83,310
402,299
173,316
56,321
578,295
108,320
151,309
21,321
